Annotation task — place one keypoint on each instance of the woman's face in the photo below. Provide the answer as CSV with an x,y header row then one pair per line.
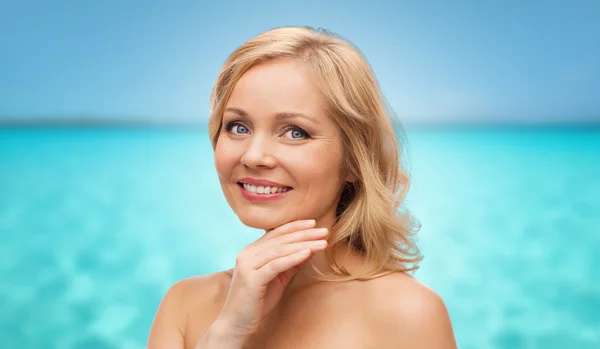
x,y
279,156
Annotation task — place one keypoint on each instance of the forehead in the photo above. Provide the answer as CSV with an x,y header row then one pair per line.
x,y
282,85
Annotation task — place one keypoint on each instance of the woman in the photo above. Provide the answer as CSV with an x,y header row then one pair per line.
x,y
304,149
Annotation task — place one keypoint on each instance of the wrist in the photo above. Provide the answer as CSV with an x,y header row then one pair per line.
x,y
221,334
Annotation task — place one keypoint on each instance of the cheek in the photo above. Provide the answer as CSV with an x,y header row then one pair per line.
x,y
320,168
224,158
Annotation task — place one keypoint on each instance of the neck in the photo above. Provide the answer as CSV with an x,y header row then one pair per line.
x,y
351,260
306,276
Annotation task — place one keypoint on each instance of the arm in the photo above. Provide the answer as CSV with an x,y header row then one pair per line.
x,y
167,329
219,336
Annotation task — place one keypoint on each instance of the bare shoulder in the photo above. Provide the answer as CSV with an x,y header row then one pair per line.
x,y
202,289
407,313
169,326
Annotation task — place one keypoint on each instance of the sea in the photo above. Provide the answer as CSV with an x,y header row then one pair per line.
x,y
97,222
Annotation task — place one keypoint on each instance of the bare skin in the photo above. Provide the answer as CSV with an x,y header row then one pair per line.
x,y
275,128
393,311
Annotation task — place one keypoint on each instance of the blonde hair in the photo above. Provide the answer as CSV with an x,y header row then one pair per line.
x,y
368,218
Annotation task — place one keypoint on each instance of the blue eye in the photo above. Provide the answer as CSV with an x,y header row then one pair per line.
x,y
297,133
236,128
240,129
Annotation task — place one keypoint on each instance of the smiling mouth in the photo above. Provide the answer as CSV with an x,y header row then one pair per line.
x,y
263,190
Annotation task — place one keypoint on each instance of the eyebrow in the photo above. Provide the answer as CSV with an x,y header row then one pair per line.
x,y
281,116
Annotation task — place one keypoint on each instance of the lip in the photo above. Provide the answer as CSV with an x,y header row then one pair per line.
x,y
258,198
262,182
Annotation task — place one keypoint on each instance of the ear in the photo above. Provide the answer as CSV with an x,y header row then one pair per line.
x,y
350,178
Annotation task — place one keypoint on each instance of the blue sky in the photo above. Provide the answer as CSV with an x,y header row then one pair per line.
x,y
444,61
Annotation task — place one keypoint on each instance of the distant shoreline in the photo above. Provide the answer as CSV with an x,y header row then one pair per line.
x,y
95,122
149,123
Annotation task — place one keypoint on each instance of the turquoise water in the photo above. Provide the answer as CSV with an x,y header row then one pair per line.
x,y
95,224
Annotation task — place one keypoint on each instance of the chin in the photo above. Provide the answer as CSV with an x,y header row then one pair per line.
x,y
261,221
267,218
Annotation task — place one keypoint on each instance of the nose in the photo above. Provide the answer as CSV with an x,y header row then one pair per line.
x,y
259,154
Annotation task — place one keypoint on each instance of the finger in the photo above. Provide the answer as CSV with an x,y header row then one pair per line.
x,y
270,270
279,251
289,228
254,254
298,236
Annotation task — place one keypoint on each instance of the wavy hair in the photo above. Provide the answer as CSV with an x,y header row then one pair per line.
x,y
370,217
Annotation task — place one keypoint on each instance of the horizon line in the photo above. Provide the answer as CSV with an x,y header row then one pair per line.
x,y
181,122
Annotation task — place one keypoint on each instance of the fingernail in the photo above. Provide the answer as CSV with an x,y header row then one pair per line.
x,y
321,230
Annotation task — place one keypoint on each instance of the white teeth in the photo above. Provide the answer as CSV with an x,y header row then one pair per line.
x,y
263,190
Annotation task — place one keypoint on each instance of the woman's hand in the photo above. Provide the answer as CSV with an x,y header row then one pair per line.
x,y
263,270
